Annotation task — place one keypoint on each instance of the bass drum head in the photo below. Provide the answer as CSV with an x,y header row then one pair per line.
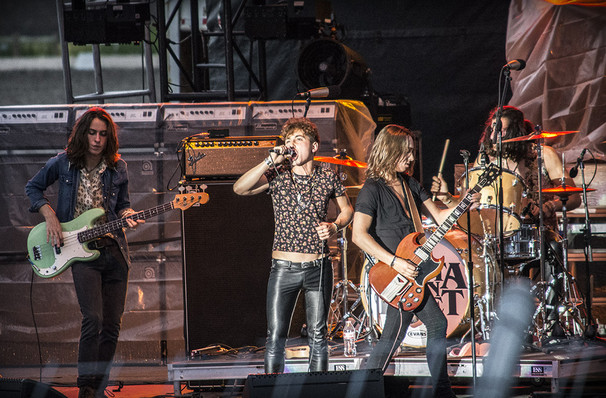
x,y
484,220
450,289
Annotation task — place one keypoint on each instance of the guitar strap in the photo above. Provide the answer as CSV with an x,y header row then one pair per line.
x,y
414,212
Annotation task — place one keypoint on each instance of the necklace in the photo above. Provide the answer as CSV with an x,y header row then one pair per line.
x,y
305,191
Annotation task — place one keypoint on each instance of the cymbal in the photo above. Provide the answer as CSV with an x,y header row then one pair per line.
x,y
565,190
543,134
343,162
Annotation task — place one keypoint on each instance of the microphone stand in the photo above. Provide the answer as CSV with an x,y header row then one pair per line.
x,y
590,329
498,131
465,155
307,104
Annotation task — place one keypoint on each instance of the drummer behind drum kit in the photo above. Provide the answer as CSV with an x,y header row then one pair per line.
x,y
560,308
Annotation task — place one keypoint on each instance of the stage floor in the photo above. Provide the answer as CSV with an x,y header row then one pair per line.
x,y
552,368
576,368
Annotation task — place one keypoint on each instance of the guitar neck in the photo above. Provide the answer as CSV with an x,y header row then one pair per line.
x,y
97,232
439,233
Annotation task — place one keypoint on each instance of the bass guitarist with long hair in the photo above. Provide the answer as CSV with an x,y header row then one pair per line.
x,y
91,174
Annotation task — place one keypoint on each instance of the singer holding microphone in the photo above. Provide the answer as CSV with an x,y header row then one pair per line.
x,y
300,192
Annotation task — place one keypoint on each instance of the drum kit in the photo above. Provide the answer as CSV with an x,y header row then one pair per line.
x,y
560,311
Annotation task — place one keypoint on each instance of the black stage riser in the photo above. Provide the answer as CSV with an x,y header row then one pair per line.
x,y
26,388
350,384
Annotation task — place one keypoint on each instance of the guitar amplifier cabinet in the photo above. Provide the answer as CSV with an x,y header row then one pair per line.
x,y
223,158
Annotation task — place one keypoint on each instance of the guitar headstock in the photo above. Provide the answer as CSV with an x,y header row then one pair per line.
x,y
489,175
186,200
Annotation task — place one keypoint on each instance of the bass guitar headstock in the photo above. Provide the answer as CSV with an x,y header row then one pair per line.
x,y
186,200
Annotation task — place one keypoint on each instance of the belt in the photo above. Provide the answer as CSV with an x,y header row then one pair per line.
x,y
101,243
303,264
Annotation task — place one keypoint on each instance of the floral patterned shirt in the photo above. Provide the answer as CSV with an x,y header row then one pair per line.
x,y
300,203
90,193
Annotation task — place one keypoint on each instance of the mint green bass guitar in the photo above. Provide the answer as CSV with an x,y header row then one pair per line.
x,y
49,261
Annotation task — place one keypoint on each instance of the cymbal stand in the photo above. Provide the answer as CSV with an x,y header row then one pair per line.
x,y
541,330
340,300
569,307
588,254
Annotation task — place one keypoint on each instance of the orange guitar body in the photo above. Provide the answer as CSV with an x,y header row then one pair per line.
x,y
398,290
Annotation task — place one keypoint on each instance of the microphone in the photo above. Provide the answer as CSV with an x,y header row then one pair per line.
x,y
285,151
575,170
516,64
483,156
321,92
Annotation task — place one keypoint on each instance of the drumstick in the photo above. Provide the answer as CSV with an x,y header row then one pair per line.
x,y
446,143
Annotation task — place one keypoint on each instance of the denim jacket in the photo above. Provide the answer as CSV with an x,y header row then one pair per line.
x,y
114,187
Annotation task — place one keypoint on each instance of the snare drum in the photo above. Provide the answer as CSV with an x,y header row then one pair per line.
x,y
450,289
484,220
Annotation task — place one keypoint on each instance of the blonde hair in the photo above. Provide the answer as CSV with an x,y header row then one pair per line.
x,y
392,144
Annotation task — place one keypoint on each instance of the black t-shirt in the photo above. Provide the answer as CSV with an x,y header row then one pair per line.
x,y
390,223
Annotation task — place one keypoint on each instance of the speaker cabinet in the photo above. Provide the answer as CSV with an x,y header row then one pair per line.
x,y
351,384
227,252
26,388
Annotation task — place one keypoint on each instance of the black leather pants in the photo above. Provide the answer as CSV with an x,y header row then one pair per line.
x,y
286,280
394,331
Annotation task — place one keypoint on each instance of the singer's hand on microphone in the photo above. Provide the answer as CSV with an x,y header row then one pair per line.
x,y
277,154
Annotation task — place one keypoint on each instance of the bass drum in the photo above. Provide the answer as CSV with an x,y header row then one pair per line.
x,y
450,288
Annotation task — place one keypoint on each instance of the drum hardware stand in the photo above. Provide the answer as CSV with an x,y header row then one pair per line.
x,y
341,289
568,309
341,294
486,302
541,309
590,331
471,286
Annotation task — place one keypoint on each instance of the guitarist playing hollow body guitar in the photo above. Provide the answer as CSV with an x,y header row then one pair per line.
x,y
381,222
91,174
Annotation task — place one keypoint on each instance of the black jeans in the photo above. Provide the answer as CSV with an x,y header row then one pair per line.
x,y
101,287
286,280
394,331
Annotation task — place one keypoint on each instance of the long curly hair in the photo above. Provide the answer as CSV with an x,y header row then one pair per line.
x,y
392,144
515,151
77,144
